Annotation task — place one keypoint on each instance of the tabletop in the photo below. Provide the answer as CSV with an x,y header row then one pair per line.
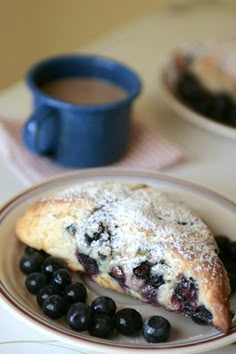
x,y
142,44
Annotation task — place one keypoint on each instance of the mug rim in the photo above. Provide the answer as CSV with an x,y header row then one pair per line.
x,y
51,101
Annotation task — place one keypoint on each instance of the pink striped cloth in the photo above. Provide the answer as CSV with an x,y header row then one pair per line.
x,y
147,150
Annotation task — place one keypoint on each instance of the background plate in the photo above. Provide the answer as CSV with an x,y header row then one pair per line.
x,y
183,111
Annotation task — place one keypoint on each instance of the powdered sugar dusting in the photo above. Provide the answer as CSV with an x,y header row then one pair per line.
x,y
128,224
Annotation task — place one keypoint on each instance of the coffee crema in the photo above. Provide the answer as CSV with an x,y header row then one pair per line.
x,y
84,90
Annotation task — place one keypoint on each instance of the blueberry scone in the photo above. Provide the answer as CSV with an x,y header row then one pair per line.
x,y
136,240
207,79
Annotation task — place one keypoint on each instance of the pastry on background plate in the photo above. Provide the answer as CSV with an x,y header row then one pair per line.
x,y
206,79
136,240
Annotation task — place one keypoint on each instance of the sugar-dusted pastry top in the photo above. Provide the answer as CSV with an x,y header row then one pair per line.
x,y
137,240
212,63
147,215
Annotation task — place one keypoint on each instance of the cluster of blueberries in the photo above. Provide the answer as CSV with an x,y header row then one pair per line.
x,y
227,254
217,106
49,279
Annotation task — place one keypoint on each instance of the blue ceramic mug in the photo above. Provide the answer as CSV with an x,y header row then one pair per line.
x,y
74,134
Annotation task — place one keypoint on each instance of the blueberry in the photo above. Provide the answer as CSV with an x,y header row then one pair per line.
x,y
51,264
185,296
102,326
188,309
72,229
230,266
149,293
222,243
45,292
35,281
31,262
30,250
156,329
96,235
142,271
156,280
232,250
183,223
232,279
220,106
118,274
75,292
104,304
231,119
186,290
61,278
89,264
79,316
202,316
128,321
188,88
203,105
54,306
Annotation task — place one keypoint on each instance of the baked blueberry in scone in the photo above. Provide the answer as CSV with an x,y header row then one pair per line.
x,y
206,79
136,240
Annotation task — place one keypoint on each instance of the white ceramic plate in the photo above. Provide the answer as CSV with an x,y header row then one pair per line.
x,y
186,337
176,105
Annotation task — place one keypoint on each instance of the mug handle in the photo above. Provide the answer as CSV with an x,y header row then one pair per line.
x,y
39,132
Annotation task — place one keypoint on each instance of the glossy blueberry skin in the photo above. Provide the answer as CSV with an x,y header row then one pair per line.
x,y
79,316
142,271
229,265
102,326
188,88
54,306
233,251
89,264
44,293
51,264
227,254
220,107
35,281
104,304
31,262
202,316
30,250
60,279
232,279
75,292
128,322
231,119
156,329
222,242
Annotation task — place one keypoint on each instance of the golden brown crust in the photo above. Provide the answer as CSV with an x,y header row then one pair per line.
x,y
43,227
